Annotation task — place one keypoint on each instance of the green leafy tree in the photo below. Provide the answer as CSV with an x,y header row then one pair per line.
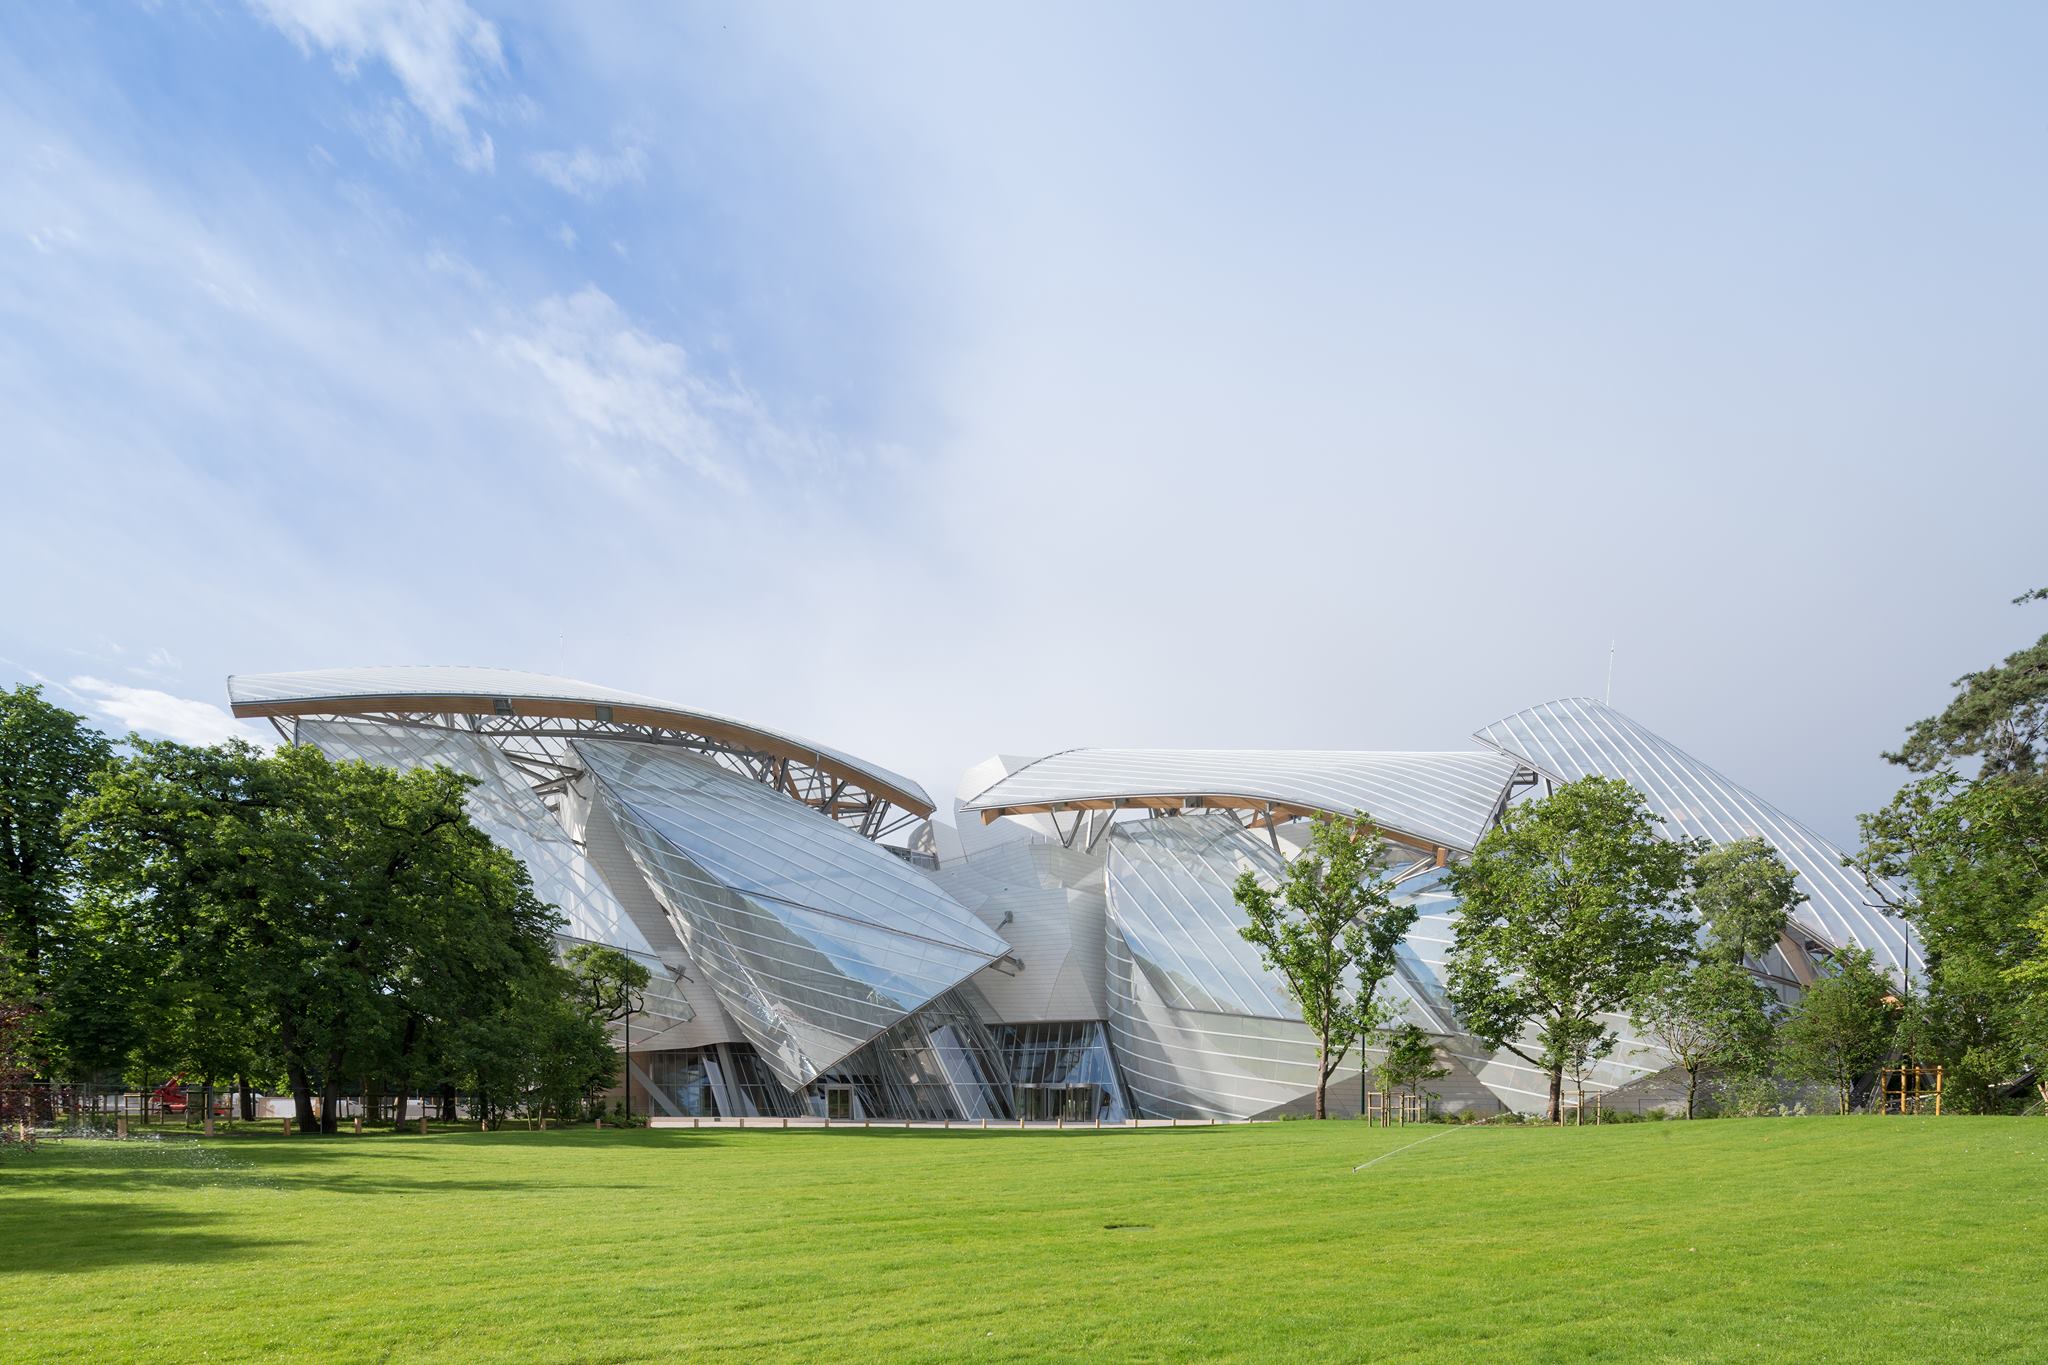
x,y
333,903
17,1018
1585,1043
1842,1027
609,983
1972,855
1566,905
1999,716
1329,931
611,986
47,758
1409,1060
1744,895
573,1056
1710,1015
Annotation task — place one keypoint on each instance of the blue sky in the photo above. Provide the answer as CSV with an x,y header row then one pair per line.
x,y
939,382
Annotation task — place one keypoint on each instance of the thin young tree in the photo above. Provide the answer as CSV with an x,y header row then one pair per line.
x,y
1711,1015
1328,930
1566,906
1843,1025
610,986
1409,1059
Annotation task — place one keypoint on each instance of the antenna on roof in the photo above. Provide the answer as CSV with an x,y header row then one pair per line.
x,y
1610,674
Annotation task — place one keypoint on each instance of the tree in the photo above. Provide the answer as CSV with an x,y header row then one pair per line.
x,y
1329,931
1744,895
1584,1043
17,1018
1842,1027
331,910
608,982
1567,904
1999,716
1713,1014
47,758
610,986
1971,853
1409,1059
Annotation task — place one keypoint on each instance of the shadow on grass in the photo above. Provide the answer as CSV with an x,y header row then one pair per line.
x,y
347,1166
66,1236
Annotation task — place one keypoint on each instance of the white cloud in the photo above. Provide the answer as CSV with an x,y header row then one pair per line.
x,y
152,712
587,173
441,51
634,401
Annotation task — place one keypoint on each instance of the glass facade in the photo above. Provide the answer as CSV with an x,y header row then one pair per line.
x,y
1063,1071
803,968
1577,737
504,806
814,939
1432,798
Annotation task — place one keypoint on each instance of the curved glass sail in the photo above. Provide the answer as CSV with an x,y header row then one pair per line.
x,y
815,939
1577,737
502,805
1445,799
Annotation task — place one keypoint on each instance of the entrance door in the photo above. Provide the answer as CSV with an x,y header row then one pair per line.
x,y
838,1101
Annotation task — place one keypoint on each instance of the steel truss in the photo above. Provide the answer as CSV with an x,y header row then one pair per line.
x,y
540,747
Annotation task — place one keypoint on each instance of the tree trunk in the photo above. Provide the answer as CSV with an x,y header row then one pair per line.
x,y
1692,1085
447,1102
403,1079
1556,1114
1323,1075
330,1103
302,1094
248,1097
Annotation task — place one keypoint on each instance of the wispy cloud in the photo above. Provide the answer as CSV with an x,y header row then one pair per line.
x,y
441,52
636,401
586,173
151,712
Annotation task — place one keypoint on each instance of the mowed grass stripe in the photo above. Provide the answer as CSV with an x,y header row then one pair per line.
x,y
1792,1239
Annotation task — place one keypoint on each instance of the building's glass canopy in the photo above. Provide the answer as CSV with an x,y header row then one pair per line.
x,y
504,806
508,693
815,939
1429,799
1170,898
1577,737
803,967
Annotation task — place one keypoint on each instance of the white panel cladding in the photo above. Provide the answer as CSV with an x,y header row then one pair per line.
x,y
1047,903
815,939
1445,799
1577,737
502,805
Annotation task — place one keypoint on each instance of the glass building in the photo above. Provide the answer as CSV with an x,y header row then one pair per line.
x,y
1066,949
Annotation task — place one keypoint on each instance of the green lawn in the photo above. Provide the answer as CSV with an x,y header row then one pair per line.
x,y
1795,1239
